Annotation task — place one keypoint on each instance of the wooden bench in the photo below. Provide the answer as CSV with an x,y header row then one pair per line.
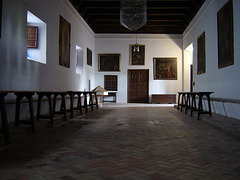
x,y
188,100
28,95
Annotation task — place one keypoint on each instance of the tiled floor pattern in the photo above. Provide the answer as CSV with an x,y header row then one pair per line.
x,y
125,143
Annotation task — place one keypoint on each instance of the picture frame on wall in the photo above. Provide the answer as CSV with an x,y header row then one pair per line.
x,y
0,19
109,62
201,54
64,42
165,68
225,35
137,57
89,57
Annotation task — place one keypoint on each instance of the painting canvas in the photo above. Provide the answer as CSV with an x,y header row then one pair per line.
x,y
201,56
64,42
0,18
225,35
109,62
165,68
89,57
137,58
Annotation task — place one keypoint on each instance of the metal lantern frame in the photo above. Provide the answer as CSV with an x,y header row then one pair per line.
x,y
133,14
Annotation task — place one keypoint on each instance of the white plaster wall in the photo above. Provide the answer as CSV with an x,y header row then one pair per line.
x,y
18,73
155,46
223,82
186,70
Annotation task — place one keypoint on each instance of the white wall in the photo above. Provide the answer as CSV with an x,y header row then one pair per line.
x,y
188,57
18,73
223,82
155,46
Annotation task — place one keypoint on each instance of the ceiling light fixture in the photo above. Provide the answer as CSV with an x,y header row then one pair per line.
x,y
136,46
133,14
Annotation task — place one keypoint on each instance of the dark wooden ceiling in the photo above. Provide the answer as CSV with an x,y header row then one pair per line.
x,y
163,16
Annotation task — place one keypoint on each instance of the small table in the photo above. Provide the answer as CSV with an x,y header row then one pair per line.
x,y
111,94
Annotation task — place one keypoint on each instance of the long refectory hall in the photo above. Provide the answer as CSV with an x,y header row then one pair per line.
x,y
125,90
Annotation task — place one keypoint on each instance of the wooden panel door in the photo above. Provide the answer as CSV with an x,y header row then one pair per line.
x,y
138,83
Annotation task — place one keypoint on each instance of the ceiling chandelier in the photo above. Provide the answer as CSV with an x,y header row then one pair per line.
x,y
133,14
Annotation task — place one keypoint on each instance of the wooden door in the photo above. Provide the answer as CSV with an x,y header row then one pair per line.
x,y
138,82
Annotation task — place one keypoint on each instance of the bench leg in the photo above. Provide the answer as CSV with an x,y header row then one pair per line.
x,y
54,104
50,109
193,105
4,121
178,101
85,103
17,111
96,99
39,107
31,114
71,105
209,105
91,100
200,107
63,107
183,101
187,103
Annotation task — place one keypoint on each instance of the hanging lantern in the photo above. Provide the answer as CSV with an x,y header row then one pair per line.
x,y
136,46
133,14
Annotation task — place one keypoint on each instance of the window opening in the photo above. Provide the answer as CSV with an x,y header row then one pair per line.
x,y
79,60
36,38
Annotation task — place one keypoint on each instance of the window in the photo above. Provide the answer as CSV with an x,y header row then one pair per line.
x,y
79,60
36,39
32,36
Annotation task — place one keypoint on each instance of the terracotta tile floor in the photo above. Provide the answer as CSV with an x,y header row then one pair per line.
x,y
125,143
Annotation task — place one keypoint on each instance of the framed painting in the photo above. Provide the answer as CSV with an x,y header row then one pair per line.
x,y
0,18
164,68
109,62
201,54
110,82
137,57
225,35
64,42
89,57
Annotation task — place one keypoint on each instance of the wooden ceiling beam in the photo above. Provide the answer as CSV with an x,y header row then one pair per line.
x,y
104,14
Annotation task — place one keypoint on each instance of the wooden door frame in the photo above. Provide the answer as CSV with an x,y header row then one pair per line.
x,y
128,82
